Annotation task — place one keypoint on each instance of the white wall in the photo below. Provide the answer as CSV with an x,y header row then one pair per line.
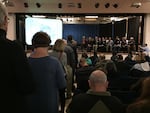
x,y
147,30
11,33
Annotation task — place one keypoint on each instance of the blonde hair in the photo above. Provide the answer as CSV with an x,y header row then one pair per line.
x,y
3,13
59,45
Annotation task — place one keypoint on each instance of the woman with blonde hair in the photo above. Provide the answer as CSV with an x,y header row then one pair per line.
x,y
142,105
58,52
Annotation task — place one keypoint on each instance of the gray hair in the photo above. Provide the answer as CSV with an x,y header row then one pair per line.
x,y
98,77
3,13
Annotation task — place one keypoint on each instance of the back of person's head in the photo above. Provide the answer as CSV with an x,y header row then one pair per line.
x,y
69,38
95,53
98,80
41,39
140,58
65,41
82,62
74,43
110,67
85,55
114,53
59,45
3,14
120,57
102,57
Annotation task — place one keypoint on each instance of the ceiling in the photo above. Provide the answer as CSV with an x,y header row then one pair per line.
x,y
78,6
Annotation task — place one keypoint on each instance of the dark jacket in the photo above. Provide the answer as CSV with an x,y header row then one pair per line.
x,y
83,103
82,77
16,81
142,106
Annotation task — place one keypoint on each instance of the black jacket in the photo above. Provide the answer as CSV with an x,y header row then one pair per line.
x,y
16,80
83,103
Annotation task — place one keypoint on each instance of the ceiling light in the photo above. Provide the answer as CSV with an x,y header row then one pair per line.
x,y
91,16
38,16
136,4
90,19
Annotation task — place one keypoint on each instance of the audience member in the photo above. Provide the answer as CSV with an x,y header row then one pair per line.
x,y
142,105
16,76
101,62
97,99
73,44
48,75
88,60
122,67
129,60
114,56
94,58
70,60
82,75
111,69
140,69
58,52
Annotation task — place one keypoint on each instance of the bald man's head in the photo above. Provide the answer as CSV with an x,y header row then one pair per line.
x,y
98,76
98,80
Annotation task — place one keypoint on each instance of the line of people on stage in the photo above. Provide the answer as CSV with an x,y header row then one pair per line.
x,y
107,44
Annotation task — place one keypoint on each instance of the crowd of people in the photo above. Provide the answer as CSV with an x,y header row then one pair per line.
x,y
38,83
108,44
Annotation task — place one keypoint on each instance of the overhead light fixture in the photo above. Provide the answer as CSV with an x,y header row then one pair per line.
x,y
136,4
107,5
115,5
116,19
38,16
26,5
91,16
38,5
59,5
96,5
79,5
90,19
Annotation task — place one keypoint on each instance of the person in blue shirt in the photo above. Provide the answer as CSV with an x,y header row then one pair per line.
x,y
48,75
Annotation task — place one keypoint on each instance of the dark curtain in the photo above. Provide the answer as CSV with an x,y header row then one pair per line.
x,y
105,30
133,29
79,30
120,28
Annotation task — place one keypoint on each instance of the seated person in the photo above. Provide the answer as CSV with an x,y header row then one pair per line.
x,y
97,99
142,105
88,60
140,69
94,58
82,75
